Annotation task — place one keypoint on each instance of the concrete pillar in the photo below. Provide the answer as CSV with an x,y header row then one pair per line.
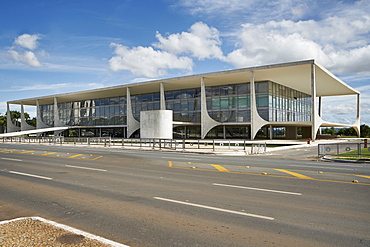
x,y
24,124
306,132
162,97
271,132
257,121
10,127
314,115
207,123
39,123
57,122
132,123
358,118
291,132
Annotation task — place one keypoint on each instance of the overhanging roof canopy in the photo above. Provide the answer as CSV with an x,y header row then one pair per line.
x,y
296,75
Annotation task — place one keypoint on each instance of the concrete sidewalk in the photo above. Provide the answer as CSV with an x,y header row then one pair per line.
x,y
36,231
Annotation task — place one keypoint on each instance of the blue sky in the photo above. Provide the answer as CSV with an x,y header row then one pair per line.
x,y
54,46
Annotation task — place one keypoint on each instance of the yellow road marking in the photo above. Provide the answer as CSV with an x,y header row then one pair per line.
x,y
25,152
48,153
17,151
363,176
220,168
96,158
294,174
74,156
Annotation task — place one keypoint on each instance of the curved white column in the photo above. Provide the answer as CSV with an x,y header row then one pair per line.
x,y
356,125
257,122
132,123
10,127
24,124
206,122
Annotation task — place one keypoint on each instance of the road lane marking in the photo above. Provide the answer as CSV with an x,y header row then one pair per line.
x,y
189,165
74,156
220,168
11,159
30,175
294,174
96,158
25,152
87,168
363,176
49,153
325,167
214,208
259,189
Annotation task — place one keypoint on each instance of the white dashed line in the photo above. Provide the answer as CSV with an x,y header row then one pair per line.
x,y
11,159
87,168
259,189
216,209
30,175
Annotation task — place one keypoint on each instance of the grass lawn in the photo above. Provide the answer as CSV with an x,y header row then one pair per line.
x,y
353,155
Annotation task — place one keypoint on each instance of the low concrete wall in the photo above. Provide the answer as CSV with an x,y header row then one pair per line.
x,y
156,124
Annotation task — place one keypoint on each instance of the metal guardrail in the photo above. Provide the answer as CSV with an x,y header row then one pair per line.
x,y
172,144
355,149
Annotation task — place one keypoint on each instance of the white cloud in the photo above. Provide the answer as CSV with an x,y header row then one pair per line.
x,y
339,44
251,9
201,42
353,61
335,33
340,109
27,41
365,108
145,61
25,44
28,58
261,45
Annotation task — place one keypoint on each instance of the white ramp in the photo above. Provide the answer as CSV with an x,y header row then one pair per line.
x,y
26,132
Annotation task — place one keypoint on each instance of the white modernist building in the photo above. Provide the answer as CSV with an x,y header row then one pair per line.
x,y
272,101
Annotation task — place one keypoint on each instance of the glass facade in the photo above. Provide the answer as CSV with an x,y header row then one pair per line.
x,y
184,104
47,114
95,112
144,102
285,104
275,103
230,103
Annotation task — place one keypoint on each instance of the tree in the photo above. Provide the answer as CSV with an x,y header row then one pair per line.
x,y
31,122
2,123
365,130
328,131
15,117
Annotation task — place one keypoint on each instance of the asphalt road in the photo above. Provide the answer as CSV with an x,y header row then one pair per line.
x,y
146,198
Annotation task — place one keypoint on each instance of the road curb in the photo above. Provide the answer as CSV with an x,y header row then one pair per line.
x,y
344,161
69,229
